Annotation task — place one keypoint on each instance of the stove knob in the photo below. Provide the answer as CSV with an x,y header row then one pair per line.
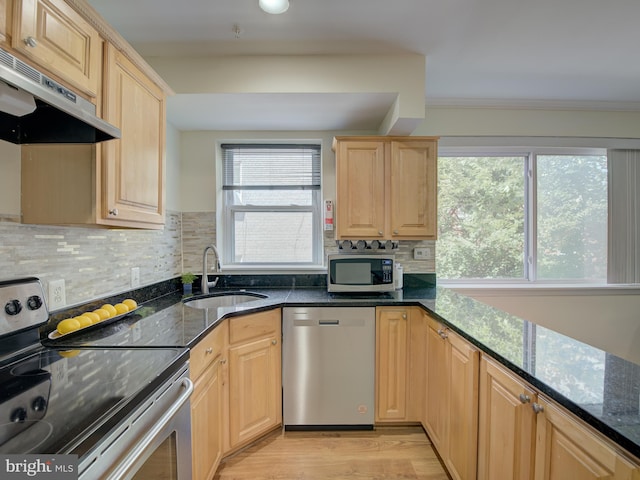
x,y
39,404
19,415
13,307
34,302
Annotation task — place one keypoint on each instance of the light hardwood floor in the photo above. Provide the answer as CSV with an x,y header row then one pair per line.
x,y
386,453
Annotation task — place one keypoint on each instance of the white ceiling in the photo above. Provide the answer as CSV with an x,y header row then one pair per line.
x,y
584,53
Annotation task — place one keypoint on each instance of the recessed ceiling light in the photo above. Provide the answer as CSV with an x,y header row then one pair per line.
x,y
274,6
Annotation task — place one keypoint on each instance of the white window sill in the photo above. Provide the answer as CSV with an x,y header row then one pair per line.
x,y
533,289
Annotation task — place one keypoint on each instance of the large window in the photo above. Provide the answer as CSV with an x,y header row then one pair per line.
x,y
534,216
271,196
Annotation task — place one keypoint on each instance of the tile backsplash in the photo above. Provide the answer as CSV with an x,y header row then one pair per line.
x,y
96,263
93,262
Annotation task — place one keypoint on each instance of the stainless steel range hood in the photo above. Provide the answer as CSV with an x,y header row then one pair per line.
x,y
36,109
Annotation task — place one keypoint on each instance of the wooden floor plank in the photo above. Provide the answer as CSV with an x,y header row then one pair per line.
x,y
386,453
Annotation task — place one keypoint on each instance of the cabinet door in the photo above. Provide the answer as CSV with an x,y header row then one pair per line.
x,y
437,385
255,389
6,7
412,196
392,351
58,38
207,422
462,451
567,449
360,190
133,166
506,440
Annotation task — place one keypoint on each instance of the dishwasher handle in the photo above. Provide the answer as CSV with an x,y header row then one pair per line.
x,y
328,322
141,446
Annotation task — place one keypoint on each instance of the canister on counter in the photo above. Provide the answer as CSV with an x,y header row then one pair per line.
x,y
398,280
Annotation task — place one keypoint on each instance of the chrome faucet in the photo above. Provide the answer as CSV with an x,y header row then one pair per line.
x,y
206,284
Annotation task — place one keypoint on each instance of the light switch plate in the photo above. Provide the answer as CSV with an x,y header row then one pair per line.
x,y
421,253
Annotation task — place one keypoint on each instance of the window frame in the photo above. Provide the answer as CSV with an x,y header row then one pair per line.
x,y
530,166
228,213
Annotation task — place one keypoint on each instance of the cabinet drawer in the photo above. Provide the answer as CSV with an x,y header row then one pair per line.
x,y
254,326
208,349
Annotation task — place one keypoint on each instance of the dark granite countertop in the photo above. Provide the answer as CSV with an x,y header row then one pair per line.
x,y
600,388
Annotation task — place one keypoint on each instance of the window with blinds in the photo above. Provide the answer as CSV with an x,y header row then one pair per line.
x,y
272,205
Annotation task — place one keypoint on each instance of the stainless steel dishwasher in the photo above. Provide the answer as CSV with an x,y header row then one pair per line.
x,y
328,367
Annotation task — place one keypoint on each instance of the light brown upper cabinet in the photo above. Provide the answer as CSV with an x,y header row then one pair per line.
x,y
133,167
6,8
117,183
386,187
56,37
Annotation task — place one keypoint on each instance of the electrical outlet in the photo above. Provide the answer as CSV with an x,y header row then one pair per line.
x,y
57,295
421,253
135,277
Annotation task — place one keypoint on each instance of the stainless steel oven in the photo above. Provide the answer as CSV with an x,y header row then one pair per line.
x,y
123,412
153,441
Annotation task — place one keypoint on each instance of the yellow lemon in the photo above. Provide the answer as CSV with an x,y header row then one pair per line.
x,y
68,325
109,308
69,353
102,313
95,318
84,320
121,308
131,303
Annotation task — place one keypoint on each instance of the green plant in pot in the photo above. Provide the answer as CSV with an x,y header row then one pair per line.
x,y
187,281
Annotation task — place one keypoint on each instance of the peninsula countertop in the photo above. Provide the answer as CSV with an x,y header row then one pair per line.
x,y
597,386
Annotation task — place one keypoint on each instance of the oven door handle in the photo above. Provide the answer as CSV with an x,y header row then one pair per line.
x,y
142,445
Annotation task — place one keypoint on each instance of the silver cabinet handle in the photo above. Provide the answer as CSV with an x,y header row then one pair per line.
x,y
443,333
113,211
223,361
380,232
274,342
31,42
209,351
524,398
404,316
537,408
395,232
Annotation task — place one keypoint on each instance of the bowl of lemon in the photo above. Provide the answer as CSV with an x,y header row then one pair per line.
x,y
97,318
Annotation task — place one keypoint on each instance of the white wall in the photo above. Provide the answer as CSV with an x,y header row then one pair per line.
x,y
172,169
528,121
9,179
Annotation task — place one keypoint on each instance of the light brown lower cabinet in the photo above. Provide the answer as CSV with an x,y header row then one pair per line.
x,y
392,362
208,362
237,394
451,412
507,423
524,436
400,364
567,449
255,380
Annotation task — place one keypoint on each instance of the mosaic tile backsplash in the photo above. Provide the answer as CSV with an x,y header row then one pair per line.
x,y
96,263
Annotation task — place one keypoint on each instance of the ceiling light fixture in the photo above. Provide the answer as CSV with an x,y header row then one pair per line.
x,y
274,6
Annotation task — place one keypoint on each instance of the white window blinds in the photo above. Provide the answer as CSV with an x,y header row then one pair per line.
x,y
280,167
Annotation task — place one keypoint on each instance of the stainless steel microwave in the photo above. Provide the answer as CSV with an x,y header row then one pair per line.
x,y
360,273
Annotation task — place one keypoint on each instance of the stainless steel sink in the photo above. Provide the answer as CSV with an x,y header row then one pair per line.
x,y
223,299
